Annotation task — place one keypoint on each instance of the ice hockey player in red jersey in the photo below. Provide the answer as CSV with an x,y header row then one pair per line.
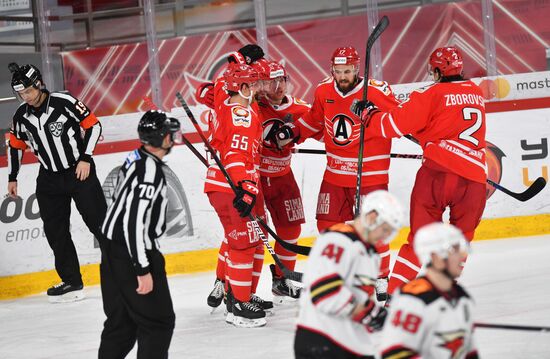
x,y
448,120
214,95
338,312
279,187
331,114
236,136
431,316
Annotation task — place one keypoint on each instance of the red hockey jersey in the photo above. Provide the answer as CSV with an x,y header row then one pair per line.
x,y
448,119
235,134
331,113
275,163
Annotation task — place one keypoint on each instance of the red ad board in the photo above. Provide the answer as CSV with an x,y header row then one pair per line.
x,y
113,80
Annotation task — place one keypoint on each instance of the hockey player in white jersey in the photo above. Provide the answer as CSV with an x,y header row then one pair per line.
x,y
338,312
431,316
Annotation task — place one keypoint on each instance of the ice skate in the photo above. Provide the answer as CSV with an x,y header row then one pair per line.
x,y
248,315
216,295
266,305
65,293
228,299
283,289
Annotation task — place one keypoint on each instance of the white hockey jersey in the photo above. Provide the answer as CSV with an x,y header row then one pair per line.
x,y
340,273
424,322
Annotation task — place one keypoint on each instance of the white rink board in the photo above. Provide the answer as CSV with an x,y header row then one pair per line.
x,y
23,248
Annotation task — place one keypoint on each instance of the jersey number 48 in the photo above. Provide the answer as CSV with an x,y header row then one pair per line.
x,y
409,322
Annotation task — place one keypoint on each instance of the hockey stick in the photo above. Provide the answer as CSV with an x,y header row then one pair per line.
x,y
531,191
530,328
378,30
323,152
151,105
296,276
296,248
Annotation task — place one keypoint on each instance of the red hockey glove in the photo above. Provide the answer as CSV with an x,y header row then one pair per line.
x,y
205,94
245,197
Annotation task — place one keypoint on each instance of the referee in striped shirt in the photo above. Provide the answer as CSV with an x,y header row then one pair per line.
x,y
62,132
136,297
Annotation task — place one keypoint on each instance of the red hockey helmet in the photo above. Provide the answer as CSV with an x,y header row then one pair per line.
x,y
276,70
236,75
345,56
262,68
447,60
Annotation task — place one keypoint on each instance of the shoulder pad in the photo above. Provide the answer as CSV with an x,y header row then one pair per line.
x,y
422,289
299,101
382,86
344,229
326,80
241,116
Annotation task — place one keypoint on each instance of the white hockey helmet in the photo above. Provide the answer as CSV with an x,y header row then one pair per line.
x,y
388,208
438,238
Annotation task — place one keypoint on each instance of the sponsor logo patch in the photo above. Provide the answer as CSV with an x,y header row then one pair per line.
x,y
241,117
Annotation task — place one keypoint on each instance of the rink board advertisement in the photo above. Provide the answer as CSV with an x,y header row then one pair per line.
x,y
520,154
113,80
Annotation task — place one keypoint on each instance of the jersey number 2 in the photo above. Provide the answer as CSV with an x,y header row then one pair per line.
x,y
470,113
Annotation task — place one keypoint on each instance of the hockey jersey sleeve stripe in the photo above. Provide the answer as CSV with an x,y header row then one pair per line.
x,y
17,143
325,287
399,352
89,121
393,125
306,125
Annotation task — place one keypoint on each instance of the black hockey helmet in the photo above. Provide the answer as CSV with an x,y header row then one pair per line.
x,y
24,76
154,126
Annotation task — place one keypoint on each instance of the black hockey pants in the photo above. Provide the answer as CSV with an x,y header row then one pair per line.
x,y
148,318
54,191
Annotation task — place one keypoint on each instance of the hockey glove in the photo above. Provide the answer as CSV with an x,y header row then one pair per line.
x,y
370,315
246,54
205,94
364,110
286,134
245,197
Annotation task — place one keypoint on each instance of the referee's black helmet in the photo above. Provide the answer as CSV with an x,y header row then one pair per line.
x,y
154,126
24,76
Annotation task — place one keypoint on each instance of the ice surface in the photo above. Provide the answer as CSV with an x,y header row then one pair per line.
x,y
510,280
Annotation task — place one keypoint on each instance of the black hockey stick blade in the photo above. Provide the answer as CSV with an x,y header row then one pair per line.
x,y
531,191
530,328
378,30
526,195
296,248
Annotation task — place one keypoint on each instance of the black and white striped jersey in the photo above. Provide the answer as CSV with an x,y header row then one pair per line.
x,y
137,214
54,132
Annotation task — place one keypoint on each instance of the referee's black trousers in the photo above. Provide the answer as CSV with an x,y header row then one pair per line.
x,y
149,318
54,191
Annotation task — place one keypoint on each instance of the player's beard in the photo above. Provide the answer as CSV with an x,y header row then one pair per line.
x,y
346,86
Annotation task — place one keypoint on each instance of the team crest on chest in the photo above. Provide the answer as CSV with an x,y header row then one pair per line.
x,y
453,342
342,130
56,128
